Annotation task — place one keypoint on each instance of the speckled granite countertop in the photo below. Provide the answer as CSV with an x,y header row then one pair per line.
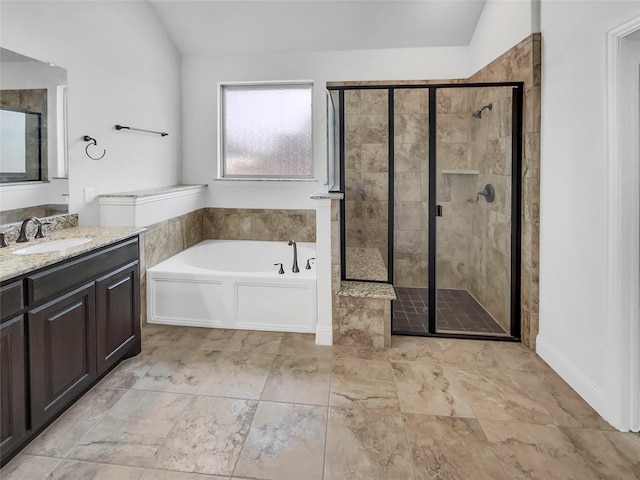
x,y
365,264
367,289
327,196
12,265
154,191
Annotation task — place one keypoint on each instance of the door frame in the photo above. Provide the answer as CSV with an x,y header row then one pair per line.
x,y
515,295
622,342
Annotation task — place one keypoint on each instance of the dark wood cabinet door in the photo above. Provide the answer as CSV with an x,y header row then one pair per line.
x,y
12,387
118,315
62,351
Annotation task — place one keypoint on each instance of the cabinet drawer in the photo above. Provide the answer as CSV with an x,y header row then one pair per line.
x,y
62,278
11,299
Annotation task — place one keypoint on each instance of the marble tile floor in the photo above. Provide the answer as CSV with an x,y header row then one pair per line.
x,y
457,312
201,404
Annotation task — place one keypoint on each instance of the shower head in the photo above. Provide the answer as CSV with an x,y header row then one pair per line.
x,y
478,113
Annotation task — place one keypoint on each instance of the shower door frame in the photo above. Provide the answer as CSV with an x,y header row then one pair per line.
x,y
516,200
517,101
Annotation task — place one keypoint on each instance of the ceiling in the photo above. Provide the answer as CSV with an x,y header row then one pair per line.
x,y
235,26
9,56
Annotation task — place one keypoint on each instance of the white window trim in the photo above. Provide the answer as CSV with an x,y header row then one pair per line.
x,y
220,160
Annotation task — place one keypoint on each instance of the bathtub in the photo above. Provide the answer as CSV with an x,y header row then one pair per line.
x,y
235,284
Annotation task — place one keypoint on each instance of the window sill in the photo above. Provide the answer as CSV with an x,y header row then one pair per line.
x,y
300,180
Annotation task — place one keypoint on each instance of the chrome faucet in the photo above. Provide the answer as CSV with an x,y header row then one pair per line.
x,y
23,229
295,256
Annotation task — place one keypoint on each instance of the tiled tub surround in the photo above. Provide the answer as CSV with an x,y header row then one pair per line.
x,y
167,238
259,224
201,404
235,284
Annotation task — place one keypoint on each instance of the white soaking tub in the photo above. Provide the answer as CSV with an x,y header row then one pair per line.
x,y
235,284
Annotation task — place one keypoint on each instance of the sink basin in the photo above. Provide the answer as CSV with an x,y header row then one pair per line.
x,y
53,246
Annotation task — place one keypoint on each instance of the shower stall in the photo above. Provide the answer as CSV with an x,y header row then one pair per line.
x,y
431,181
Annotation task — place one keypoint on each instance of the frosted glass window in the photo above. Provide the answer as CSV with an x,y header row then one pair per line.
x,y
267,131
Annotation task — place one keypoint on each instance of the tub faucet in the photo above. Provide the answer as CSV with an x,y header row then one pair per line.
x,y
23,229
295,256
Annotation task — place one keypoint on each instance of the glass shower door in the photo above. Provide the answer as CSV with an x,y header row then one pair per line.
x,y
366,179
473,215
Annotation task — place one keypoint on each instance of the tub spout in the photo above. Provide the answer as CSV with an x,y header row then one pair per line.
x,y
295,268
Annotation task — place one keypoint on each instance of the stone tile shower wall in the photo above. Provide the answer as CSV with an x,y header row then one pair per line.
x,y
522,63
411,187
456,188
367,169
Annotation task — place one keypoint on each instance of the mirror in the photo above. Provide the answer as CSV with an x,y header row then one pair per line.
x,y
33,138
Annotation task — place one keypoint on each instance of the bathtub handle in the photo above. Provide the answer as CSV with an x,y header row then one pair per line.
x,y
281,271
308,267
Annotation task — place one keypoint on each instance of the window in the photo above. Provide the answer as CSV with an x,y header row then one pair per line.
x,y
266,131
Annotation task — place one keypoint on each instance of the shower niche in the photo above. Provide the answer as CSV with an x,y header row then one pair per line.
x,y
431,183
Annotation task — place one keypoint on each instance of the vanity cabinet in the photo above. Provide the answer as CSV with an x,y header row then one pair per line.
x,y
62,351
63,327
118,315
12,383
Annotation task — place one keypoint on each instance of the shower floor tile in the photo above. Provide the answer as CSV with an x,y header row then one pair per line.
x,y
458,311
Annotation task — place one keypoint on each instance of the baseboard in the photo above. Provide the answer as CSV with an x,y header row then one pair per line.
x,y
589,391
324,335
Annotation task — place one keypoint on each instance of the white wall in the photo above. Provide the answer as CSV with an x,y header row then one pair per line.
x,y
502,25
573,212
201,74
122,68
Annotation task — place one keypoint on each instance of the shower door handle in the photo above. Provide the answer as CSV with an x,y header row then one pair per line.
x,y
438,210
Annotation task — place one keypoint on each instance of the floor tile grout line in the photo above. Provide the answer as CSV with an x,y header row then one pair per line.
x,y
253,418
406,437
178,416
234,397
493,449
326,430
66,456
46,475
455,366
